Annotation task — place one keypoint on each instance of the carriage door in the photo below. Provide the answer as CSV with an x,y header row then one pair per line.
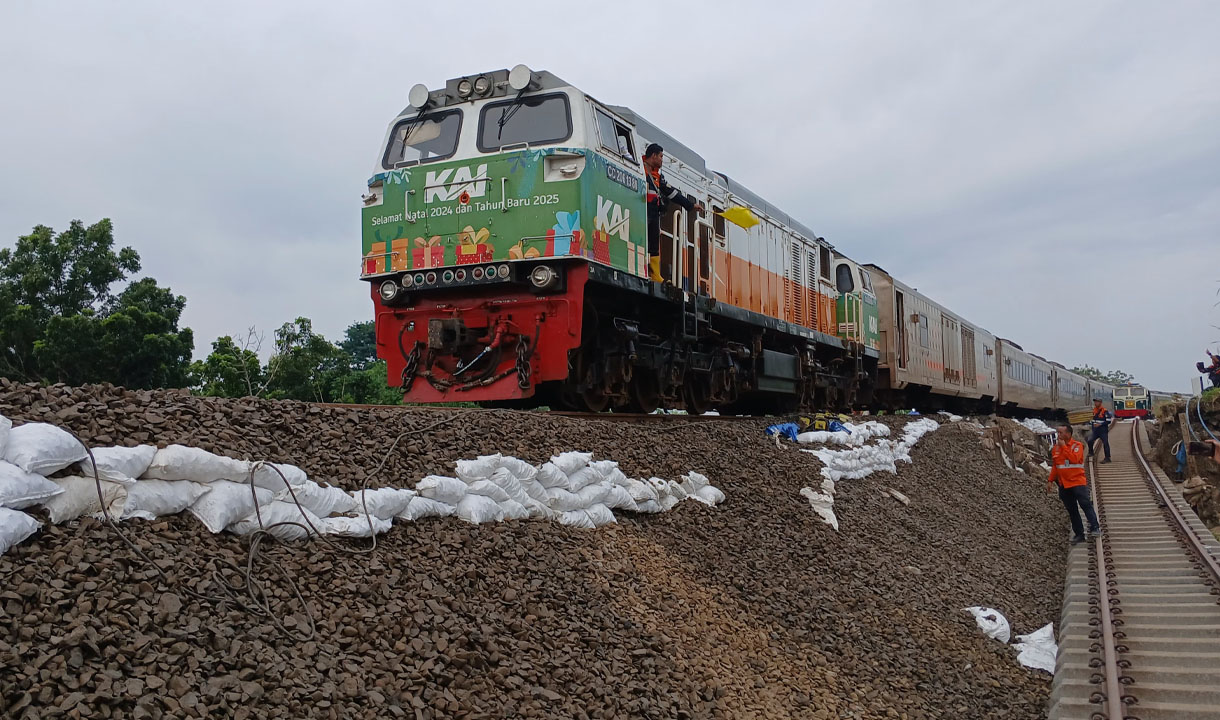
x,y
948,333
970,376
703,257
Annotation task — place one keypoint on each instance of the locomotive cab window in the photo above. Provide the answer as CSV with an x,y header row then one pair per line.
x,y
615,136
843,279
825,258
866,281
718,221
536,120
433,137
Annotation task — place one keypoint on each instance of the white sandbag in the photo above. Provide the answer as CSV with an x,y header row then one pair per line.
x,y
604,467
79,497
15,527
617,477
507,482
321,500
119,464
709,495
444,489
514,510
1038,649
179,462
5,426
382,503
563,501
550,476
21,489
576,518
600,515
693,482
667,503
534,490
619,498
823,505
641,491
480,468
283,520
227,502
479,509
265,476
151,499
571,461
42,448
487,488
583,478
591,495
992,622
359,526
677,490
421,507
518,468
649,507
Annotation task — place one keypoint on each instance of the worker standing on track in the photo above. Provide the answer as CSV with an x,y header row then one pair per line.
x,y
660,194
1068,472
1102,418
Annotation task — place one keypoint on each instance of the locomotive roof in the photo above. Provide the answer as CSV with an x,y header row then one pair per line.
x,y
694,160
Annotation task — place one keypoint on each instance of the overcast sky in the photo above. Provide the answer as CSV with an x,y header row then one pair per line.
x,y
1049,170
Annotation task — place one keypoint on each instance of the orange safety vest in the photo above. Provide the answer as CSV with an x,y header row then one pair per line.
x,y
1069,465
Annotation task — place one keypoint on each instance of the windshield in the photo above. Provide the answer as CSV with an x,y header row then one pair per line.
x,y
433,137
535,120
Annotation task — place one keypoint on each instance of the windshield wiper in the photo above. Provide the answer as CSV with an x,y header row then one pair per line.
x,y
507,114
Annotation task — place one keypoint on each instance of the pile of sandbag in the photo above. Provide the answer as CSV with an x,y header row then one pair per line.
x,y
860,462
852,434
246,496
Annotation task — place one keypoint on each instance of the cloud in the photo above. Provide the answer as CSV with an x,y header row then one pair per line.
x,y
1049,171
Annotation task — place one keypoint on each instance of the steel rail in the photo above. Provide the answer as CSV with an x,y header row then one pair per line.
x,y
1113,690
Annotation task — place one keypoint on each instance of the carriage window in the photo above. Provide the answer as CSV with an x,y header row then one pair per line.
x,y
718,221
534,120
843,278
434,137
614,136
923,328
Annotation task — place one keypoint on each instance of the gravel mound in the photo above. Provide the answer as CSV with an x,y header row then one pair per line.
x,y
751,609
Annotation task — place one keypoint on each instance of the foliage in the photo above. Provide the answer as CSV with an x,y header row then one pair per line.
x,y
303,366
60,320
1114,377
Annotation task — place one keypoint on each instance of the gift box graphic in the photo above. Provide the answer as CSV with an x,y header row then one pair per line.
x,y
520,252
400,251
601,246
472,247
428,253
374,262
564,237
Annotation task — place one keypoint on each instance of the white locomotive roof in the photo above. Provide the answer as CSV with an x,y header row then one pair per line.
x,y
694,160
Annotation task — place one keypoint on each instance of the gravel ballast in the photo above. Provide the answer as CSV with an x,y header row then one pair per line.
x,y
753,608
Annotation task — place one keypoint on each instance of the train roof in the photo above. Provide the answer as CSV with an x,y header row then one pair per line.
x,y
695,160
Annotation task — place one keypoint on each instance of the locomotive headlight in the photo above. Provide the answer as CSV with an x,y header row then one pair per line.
x,y
543,277
482,85
502,271
464,88
389,290
418,97
407,281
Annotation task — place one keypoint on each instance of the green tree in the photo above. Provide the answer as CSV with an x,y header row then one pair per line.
x,y
1114,377
230,370
305,366
60,320
360,343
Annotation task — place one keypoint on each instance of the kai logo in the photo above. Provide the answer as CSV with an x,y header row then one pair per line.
x,y
611,218
447,185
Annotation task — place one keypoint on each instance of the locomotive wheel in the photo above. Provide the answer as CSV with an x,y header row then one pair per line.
x,y
645,392
694,392
594,400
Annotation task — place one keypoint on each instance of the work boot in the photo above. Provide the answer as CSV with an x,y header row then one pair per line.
x,y
1078,539
1096,533
1103,462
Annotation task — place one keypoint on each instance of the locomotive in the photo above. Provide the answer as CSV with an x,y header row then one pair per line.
x,y
504,237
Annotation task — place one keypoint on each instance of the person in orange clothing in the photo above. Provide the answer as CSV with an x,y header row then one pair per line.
x,y
1068,472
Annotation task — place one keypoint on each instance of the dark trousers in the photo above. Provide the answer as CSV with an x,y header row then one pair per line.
x,y
1079,496
1104,434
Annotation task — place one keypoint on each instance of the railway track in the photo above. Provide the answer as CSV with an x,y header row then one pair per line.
x,y
607,416
1140,629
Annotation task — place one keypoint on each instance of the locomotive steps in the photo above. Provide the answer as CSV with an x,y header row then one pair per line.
x,y
752,609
